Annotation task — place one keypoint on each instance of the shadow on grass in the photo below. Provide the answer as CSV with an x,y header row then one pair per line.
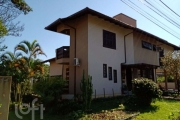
x,y
171,100
108,104
100,104
130,103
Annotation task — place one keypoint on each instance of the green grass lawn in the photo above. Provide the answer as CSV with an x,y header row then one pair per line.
x,y
160,110
109,109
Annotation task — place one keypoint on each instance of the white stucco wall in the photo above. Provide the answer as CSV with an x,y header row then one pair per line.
x,y
166,48
129,49
99,55
143,55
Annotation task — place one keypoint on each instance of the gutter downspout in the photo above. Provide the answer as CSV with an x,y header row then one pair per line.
x,y
125,52
74,56
125,45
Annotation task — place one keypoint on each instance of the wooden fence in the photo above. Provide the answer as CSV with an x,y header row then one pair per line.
x,y
5,89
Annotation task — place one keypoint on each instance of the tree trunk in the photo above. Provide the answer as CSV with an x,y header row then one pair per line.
x,y
15,92
165,76
176,84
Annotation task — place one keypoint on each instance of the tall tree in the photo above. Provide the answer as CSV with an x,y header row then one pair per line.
x,y
10,66
167,61
23,69
32,50
8,60
3,32
171,65
10,10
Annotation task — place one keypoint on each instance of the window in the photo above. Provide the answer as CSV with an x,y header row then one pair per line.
x,y
105,70
161,53
147,73
110,73
109,39
115,76
146,45
160,62
154,47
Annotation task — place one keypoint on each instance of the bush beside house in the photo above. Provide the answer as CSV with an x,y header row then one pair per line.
x,y
146,91
50,90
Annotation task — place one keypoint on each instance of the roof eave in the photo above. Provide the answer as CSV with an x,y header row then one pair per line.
x,y
52,59
53,26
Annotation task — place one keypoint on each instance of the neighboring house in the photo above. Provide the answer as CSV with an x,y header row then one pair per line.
x,y
111,50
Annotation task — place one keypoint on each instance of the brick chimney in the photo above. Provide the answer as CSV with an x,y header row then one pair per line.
x,y
125,19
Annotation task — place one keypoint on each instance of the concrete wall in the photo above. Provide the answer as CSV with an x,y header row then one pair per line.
x,y
55,69
143,55
99,55
92,54
81,26
125,19
129,49
170,85
5,90
165,47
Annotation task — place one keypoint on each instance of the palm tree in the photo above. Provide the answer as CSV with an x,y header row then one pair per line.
x,y
9,62
32,50
10,66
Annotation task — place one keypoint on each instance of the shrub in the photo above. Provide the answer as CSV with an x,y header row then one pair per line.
x,y
130,103
146,91
86,87
66,106
28,98
50,90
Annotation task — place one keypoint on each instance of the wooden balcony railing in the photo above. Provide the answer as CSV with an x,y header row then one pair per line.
x,y
62,52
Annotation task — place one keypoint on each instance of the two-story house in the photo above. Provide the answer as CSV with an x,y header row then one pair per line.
x,y
110,49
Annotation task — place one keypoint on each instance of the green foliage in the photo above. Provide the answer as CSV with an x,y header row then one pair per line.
x,y
23,69
3,29
22,5
160,79
50,90
87,91
42,73
146,90
65,107
76,115
111,109
9,11
26,87
2,48
30,49
160,110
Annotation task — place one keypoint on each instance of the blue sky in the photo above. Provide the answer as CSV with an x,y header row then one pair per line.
x,y
47,11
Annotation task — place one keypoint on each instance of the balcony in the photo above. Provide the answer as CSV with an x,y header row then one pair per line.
x,y
62,55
